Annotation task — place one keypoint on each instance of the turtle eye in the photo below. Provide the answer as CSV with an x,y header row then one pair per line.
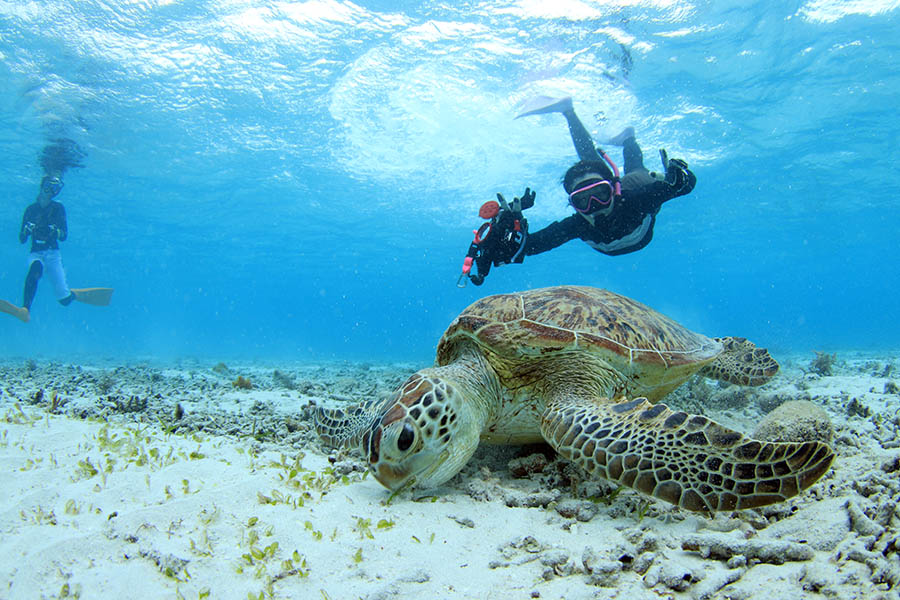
x,y
406,437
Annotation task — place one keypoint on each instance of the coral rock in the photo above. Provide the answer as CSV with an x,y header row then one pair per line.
x,y
796,421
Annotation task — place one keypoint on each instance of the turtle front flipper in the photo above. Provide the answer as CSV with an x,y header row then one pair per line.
x,y
344,427
741,362
684,459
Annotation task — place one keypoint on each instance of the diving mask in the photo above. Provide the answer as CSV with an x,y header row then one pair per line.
x,y
52,186
592,197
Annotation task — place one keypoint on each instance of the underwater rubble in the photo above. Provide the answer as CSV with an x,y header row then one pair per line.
x,y
525,522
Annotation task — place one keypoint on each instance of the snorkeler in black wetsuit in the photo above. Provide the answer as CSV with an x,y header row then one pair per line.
x,y
613,216
45,222
45,219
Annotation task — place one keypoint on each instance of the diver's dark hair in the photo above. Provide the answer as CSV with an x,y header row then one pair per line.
x,y
583,167
60,155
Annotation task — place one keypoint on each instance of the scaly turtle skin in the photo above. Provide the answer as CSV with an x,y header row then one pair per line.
x,y
581,368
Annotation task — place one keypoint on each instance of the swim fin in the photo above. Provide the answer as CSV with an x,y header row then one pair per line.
x,y
19,312
619,139
96,296
541,105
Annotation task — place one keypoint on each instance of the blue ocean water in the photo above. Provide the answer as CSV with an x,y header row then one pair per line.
x,y
300,180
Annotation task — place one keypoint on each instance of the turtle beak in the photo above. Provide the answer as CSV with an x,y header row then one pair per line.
x,y
398,478
393,478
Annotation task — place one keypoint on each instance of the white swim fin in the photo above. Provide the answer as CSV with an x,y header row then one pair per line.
x,y
619,139
541,105
97,296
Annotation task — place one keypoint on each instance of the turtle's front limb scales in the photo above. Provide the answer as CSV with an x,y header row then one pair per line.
x,y
684,459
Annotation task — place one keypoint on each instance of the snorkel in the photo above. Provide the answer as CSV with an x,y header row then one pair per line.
x,y
618,186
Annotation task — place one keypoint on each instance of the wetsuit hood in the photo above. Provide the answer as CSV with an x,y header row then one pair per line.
x,y
583,167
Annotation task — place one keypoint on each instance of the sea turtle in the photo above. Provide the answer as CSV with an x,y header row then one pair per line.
x,y
581,368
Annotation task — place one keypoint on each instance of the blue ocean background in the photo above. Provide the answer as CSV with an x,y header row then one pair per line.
x,y
290,181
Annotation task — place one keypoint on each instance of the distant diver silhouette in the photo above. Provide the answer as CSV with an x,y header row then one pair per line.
x,y
45,223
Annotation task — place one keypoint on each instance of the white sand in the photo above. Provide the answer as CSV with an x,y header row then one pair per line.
x,y
120,509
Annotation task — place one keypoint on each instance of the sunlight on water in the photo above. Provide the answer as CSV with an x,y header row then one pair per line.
x,y
304,177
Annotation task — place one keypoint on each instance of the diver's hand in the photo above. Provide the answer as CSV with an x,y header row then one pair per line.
x,y
27,229
679,176
52,233
674,168
527,199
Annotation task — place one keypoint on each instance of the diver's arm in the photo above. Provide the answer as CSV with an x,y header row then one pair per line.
x,y
62,225
553,235
26,228
651,193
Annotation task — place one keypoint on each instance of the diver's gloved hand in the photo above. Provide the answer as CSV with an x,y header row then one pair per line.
x,y
52,233
527,199
679,176
27,229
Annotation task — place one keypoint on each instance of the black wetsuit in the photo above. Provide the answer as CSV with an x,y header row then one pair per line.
x,y
629,227
42,238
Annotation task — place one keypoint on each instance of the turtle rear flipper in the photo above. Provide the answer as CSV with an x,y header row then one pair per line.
x,y
741,362
344,427
684,459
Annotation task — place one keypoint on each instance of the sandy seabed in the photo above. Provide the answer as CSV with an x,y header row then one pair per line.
x,y
146,480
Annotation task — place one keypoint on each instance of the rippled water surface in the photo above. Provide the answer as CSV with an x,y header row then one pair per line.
x,y
298,179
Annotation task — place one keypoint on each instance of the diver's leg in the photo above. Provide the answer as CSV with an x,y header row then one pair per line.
x,y
634,158
31,280
581,139
57,276
542,105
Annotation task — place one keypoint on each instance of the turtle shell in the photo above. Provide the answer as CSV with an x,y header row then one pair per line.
x,y
564,318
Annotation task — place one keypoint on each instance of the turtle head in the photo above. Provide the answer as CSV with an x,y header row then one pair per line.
x,y
422,437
